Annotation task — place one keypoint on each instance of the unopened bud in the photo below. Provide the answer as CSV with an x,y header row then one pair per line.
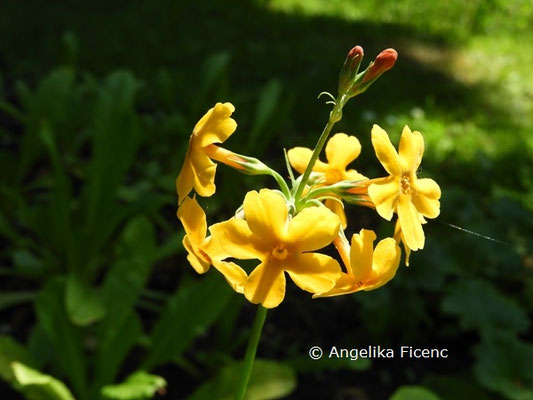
x,y
383,62
350,68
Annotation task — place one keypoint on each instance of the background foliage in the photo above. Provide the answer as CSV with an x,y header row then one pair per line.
x,y
97,101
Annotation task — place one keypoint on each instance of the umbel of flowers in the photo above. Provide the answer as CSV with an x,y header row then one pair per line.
x,y
285,228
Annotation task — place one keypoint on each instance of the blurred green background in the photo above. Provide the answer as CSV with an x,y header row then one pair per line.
x,y
97,101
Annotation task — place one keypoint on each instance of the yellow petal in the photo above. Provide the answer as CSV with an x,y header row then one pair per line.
x,y
198,261
411,148
204,173
185,179
353,175
410,224
312,229
266,285
342,149
234,239
385,151
426,197
234,274
299,158
216,125
338,209
361,254
266,214
313,272
385,263
384,194
344,285
192,217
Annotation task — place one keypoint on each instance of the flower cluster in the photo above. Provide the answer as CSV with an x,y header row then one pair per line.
x,y
285,228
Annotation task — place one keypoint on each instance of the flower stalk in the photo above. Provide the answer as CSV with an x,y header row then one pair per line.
x,y
251,350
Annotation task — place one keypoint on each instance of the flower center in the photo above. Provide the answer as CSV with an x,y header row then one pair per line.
x,y
406,184
280,252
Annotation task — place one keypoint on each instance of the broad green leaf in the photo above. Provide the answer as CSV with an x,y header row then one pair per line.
x,y
506,366
116,342
11,351
269,380
413,393
115,139
194,307
121,289
138,386
38,386
64,336
84,303
480,306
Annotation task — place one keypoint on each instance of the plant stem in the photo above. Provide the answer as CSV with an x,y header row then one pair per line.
x,y
334,117
251,349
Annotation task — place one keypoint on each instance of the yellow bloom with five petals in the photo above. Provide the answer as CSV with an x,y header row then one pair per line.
x,y
366,268
198,171
282,244
402,192
195,242
341,150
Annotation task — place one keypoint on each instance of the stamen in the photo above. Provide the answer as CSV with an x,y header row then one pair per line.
x,y
280,252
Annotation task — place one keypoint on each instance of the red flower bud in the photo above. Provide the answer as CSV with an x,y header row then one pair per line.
x,y
350,68
383,62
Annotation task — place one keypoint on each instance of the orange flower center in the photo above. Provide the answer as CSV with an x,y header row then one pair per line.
x,y
280,252
405,183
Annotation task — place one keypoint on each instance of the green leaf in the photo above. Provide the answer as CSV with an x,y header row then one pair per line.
x,y
26,263
269,380
480,306
49,103
58,213
38,386
13,298
121,289
64,336
115,139
506,366
84,303
194,307
11,351
413,393
138,386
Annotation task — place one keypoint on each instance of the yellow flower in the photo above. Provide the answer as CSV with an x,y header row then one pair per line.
x,y
341,150
282,244
195,242
367,268
198,170
402,192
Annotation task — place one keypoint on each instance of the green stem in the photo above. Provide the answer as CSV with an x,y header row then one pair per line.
x,y
334,117
251,349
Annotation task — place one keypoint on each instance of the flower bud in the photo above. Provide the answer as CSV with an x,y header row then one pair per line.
x,y
383,62
350,68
